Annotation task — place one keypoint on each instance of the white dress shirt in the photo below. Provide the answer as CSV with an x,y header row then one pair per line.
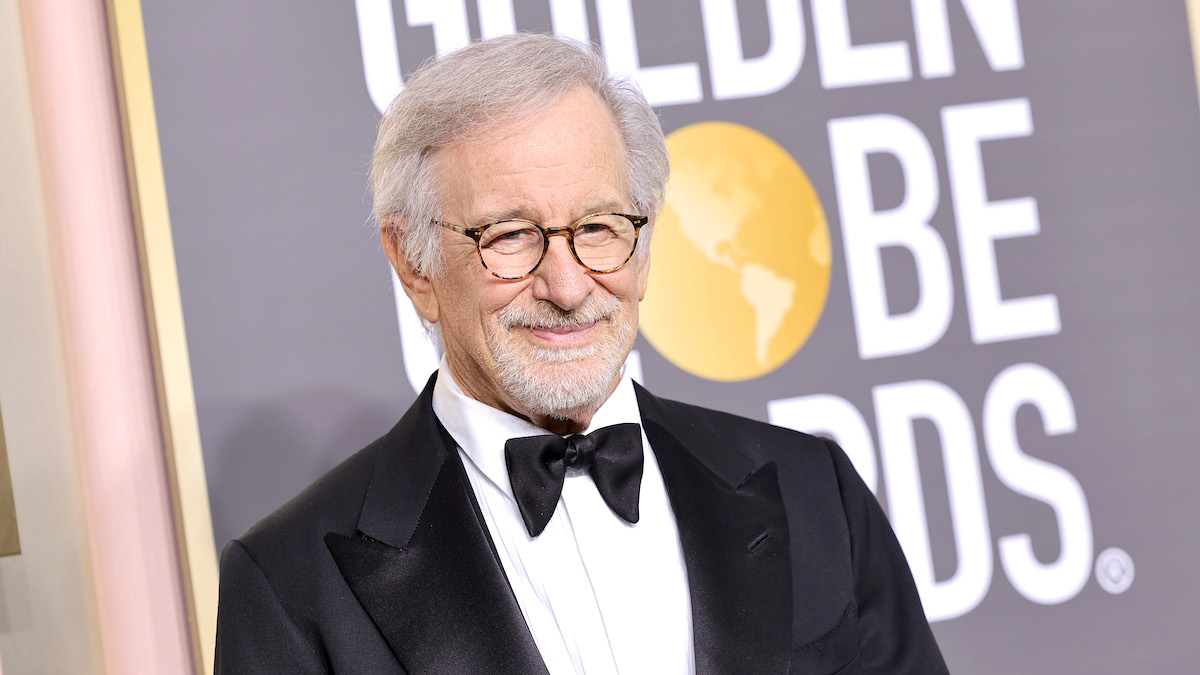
x,y
599,595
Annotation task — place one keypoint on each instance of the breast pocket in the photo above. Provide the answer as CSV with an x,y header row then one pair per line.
x,y
834,653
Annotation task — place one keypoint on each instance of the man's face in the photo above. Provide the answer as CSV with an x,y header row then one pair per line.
x,y
552,344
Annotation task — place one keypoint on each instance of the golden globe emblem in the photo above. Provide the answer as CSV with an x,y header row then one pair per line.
x,y
741,255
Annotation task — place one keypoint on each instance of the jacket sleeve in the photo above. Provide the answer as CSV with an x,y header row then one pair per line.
x,y
255,634
895,635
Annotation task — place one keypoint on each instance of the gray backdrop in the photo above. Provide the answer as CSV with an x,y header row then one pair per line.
x,y
266,126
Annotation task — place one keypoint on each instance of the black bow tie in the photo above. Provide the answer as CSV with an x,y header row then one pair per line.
x,y
537,466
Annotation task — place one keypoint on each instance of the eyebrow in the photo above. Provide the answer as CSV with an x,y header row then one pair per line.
x,y
519,213
525,213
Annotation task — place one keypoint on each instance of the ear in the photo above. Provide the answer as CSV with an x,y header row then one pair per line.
x,y
416,287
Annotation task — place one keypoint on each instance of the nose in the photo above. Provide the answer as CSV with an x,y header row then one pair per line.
x,y
560,278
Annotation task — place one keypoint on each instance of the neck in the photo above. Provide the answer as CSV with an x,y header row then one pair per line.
x,y
565,423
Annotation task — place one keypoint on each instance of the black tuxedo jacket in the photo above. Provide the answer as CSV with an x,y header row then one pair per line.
x,y
384,565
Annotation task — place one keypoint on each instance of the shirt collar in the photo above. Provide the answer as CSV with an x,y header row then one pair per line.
x,y
481,430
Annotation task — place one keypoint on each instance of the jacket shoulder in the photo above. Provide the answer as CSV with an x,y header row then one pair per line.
x,y
283,604
757,441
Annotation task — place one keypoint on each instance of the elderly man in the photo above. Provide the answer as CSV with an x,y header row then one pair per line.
x,y
536,511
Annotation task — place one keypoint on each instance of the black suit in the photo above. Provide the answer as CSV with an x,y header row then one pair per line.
x,y
384,564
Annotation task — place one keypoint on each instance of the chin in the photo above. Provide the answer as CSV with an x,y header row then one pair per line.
x,y
561,383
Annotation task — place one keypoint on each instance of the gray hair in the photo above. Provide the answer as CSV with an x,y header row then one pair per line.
x,y
486,85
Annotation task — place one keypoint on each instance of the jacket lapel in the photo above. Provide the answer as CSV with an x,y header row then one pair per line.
x,y
422,564
735,540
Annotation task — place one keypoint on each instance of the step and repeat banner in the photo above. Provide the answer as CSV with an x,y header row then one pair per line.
x,y
958,236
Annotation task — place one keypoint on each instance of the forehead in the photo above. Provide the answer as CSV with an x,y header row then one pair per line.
x,y
555,162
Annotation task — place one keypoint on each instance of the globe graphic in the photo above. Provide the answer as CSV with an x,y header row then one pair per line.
x,y
740,255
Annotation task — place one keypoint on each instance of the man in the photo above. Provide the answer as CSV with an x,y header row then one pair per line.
x,y
535,511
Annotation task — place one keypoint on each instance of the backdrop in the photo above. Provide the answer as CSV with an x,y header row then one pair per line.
x,y
958,236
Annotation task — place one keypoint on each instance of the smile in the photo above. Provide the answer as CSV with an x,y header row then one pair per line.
x,y
566,336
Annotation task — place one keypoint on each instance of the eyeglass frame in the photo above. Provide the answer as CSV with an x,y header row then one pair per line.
x,y
476,233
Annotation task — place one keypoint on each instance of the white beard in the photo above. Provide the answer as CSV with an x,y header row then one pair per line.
x,y
559,382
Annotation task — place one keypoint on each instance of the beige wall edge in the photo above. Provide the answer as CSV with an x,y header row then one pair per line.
x,y
47,590
136,568
164,311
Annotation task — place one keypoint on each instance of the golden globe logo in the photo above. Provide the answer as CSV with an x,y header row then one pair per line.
x,y
741,255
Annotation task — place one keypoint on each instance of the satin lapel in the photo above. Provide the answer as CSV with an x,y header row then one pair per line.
x,y
423,566
735,543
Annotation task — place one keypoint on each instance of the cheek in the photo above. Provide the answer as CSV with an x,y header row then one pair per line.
x,y
480,303
624,284
457,297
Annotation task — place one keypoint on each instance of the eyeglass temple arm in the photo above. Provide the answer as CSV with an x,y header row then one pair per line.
x,y
474,233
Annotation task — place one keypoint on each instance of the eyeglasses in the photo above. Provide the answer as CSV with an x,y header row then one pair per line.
x,y
513,249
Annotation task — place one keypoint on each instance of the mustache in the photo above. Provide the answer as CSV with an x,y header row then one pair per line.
x,y
545,314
